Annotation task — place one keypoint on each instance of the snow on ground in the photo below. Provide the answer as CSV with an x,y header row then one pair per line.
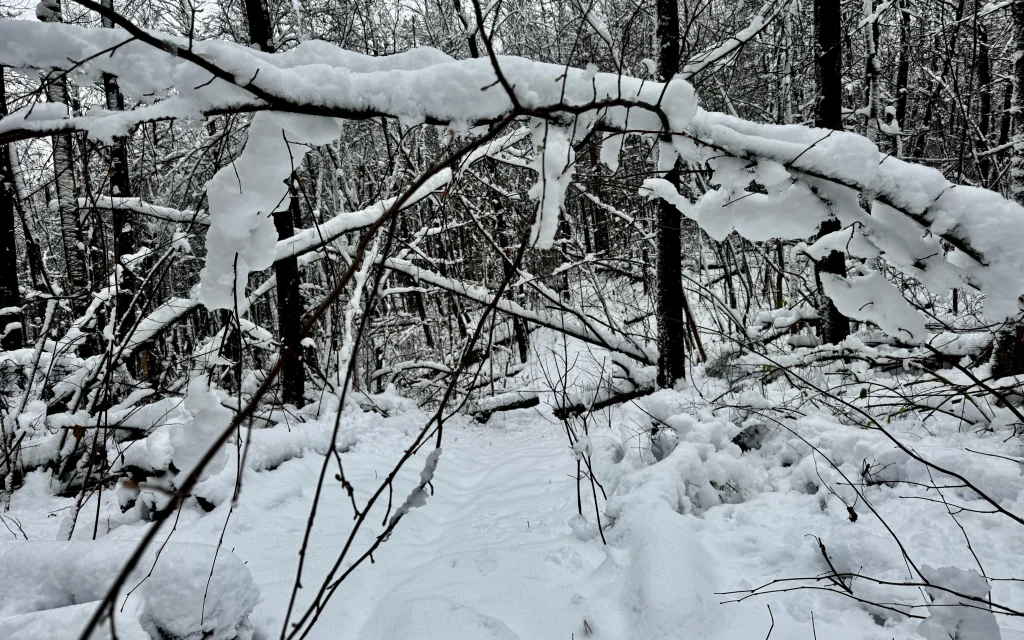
x,y
499,552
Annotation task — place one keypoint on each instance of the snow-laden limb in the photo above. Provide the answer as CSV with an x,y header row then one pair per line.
x,y
553,163
50,588
320,235
244,194
418,496
914,207
481,295
717,56
141,207
158,320
26,117
316,78
872,298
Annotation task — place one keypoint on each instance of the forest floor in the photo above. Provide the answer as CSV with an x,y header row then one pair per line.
x,y
498,550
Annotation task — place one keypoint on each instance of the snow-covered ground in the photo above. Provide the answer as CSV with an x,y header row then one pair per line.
x,y
499,551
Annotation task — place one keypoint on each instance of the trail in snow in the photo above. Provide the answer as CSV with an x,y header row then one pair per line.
x,y
495,554
491,554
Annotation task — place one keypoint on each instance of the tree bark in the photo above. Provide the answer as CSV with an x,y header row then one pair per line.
x,y
984,104
833,326
120,187
1008,353
670,314
289,297
77,277
10,295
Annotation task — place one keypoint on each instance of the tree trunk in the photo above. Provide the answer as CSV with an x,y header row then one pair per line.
x,y
77,278
10,295
290,308
902,73
871,36
984,104
120,187
834,326
1008,354
289,298
671,322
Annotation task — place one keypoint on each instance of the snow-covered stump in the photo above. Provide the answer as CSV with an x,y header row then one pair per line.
x,y
50,589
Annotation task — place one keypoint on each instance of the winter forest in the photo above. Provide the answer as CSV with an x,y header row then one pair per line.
x,y
512,319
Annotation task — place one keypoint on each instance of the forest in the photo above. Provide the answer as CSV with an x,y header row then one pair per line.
x,y
512,319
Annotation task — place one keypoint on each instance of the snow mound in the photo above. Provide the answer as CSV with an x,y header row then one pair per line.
x,y
50,589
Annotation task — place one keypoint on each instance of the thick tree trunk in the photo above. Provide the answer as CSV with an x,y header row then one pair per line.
x,y
10,296
671,319
834,326
289,298
1008,354
1017,157
289,309
77,278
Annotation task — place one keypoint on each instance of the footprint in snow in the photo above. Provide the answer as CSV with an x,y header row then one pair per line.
x,y
432,619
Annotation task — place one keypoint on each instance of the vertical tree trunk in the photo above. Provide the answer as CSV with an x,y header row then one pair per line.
x,y
903,73
289,309
671,322
1017,157
984,104
289,298
77,278
1008,354
870,71
120,187
474,51
10,296
834,326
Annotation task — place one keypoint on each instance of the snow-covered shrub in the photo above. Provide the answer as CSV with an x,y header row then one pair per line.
x,y
189,595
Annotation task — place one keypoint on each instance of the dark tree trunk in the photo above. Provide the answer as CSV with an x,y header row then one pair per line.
x,y
474,51
289,298
1008,354
671,319
120,187
600,217
828,23
984,103
289,309
10,296
903,70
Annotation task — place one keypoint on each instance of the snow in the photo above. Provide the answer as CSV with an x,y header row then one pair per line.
x,y
244,194
497,550
191,440
554,166
46,583
872,298
811,492
416,85
41,111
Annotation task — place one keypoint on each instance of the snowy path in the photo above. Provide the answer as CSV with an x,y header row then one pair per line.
x,y
490,555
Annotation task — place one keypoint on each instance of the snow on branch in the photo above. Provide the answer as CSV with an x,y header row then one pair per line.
x,y
140,206
943,234
481,295
196,79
